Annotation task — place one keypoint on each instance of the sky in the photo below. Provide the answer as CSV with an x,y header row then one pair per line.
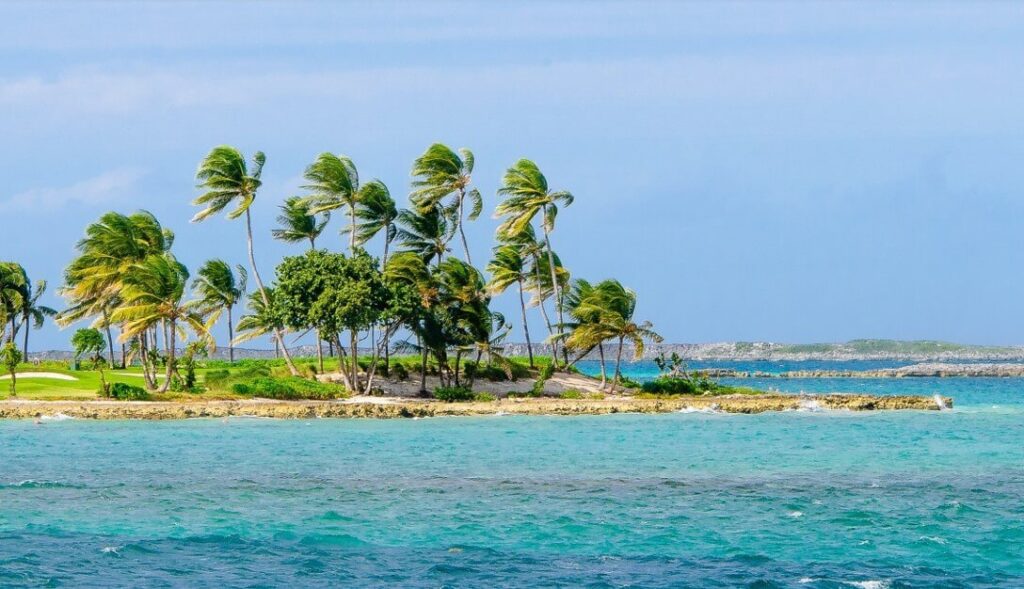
x,y
792,172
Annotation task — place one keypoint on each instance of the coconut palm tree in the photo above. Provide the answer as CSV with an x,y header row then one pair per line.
x,y
13,281
440,173
334,184
260,320
93,280
377,213
526,195
225,176
33,314
427,234
218,289
609,308
153,293
298,224
507,268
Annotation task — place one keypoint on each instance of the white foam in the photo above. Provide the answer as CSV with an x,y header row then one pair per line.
x,y
56,417
940,402
707,410
795,514
869,584
811,405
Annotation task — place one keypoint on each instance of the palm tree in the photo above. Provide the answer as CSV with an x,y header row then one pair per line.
x,y
13,281
334,183
260,320
33,314
298,224
507,268
218,289
439,173
426,234
226,178
609,308
377,213
93,281
527,194
153,292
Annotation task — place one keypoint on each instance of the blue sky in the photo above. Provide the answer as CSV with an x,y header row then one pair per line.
x,y
764,171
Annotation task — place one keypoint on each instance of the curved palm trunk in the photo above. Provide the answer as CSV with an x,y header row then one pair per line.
x,y
24,347
110,337
540,302
462,234
618,362
170,335
231,337
341,364
263,294
526,328
554,287
604,375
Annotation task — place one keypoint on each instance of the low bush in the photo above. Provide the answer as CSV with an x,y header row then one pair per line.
x,y
484,397
216,377
571,394
128,392
670,385
400,372
287,388
453,394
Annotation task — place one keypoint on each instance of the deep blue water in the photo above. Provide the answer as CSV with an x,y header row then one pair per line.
x,y
833,499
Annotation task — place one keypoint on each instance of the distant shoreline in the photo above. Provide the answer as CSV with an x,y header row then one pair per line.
x,y
389,408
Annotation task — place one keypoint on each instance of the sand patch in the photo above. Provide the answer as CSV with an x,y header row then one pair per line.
x,y
50,375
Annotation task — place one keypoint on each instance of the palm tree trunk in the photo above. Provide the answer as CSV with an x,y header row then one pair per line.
x,y
263,293
124,353
341,364
352,228
604,375
231,337
462,234
423,365
540,300
24,347
170,359
110,337
458,361
526,328
312,242
554,286
618,362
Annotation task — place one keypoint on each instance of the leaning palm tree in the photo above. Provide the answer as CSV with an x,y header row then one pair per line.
x,y
378,214
153,293
440,173
298,224
526,195
507,268
226,178
610,307
93,280
260,320
334,184
218,289
426,234
13,281
33,313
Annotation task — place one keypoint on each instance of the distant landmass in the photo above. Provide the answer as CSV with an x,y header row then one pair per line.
x,y
859,349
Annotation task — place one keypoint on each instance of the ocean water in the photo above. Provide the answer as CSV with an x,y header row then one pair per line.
x,y
796,499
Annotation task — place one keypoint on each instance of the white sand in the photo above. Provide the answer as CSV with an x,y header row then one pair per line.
x,y
52,375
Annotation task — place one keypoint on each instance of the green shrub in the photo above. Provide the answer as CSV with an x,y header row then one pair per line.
x,y
128,392
287,388
571,394
546,372
400,372
240,388
453,394
484,397
216,377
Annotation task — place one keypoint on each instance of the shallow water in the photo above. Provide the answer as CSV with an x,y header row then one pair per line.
x,y
798,499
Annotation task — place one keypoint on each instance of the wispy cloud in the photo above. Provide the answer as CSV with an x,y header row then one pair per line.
x,y
105,188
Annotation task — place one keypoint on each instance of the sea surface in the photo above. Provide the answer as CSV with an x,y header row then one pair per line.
x,y
797,499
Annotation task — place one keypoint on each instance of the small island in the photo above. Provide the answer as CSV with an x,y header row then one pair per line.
x,y
407,331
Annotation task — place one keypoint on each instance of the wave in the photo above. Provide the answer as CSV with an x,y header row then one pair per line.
x,y
33,484
58,416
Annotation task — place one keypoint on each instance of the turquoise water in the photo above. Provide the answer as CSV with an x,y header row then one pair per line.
x,y
816,499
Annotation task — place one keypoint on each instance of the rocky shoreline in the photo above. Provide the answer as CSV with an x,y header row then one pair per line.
x,y
925,370
384,408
